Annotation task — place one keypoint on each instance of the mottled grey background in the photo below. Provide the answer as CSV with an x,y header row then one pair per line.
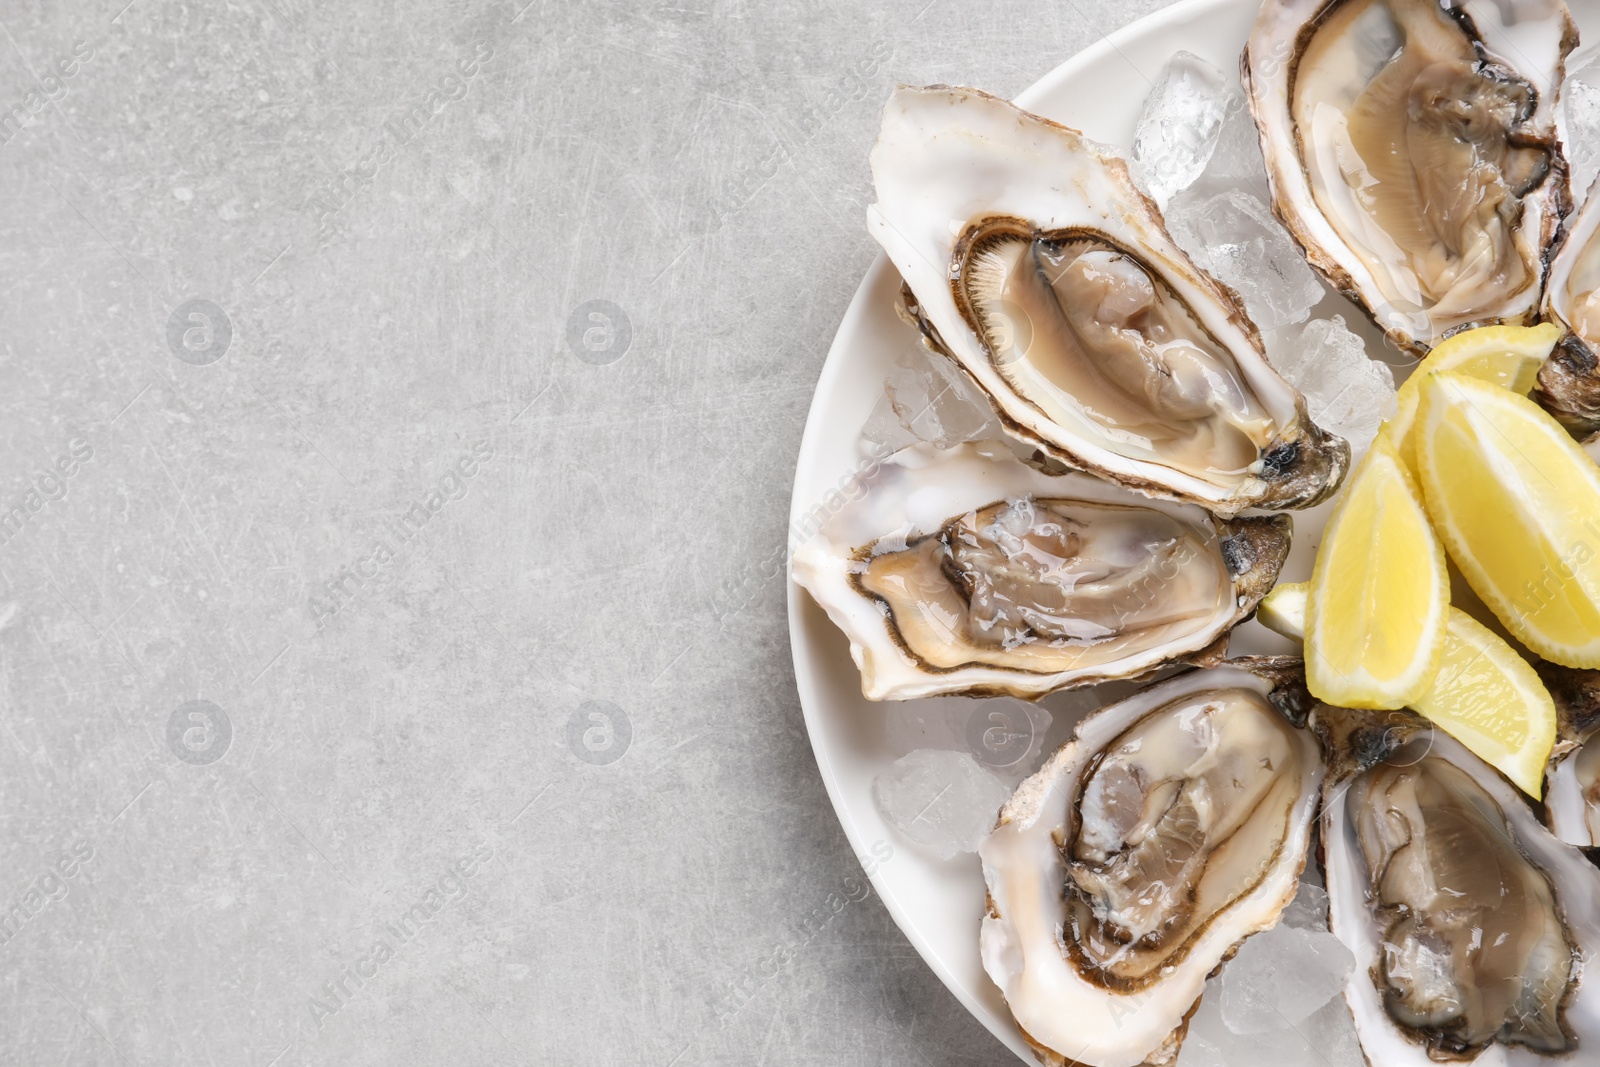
x,y
552,717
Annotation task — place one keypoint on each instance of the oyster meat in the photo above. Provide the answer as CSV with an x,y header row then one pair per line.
x,y
1033,261
1411,149
967,571
1172,826
1469,921
1569,381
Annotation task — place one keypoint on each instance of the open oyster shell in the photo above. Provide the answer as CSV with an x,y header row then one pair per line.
x,y
1172,826
1471,924
1569,381
1039,267
1412,152
1572,780
968,571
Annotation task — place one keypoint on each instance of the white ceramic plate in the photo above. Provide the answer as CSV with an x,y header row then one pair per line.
x,y
938,904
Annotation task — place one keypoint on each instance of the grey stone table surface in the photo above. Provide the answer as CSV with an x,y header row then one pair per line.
x,y
399,399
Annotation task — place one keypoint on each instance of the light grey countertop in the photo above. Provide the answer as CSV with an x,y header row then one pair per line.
x,y
486,428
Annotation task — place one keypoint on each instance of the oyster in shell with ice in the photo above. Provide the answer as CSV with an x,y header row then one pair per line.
x,y
968,571
1172,826
1471,924
1036,264
1412,152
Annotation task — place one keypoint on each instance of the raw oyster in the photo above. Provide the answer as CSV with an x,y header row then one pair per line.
x,y
1172,826
1572,781
968,571
1412,151
1035,263
1569,381
1470,922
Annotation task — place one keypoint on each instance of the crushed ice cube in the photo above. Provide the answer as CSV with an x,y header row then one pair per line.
x,y
1332,1032
1178,129
883,432
1236,162
934,722
1233,236
1280,999
1004,734
928,398
1346,391
945,801
1308,910
1007,735
1217,211
1325,1038
1198,1051
1581,104
1211,1044
1284,975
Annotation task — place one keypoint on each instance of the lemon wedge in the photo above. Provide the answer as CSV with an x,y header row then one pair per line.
x,y
1283,609
1375,617
1491,700
1508,356
1517,503
1485,695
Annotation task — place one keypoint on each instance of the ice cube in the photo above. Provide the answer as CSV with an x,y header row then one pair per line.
x,y
1309,908
1282,976
1346,391
1006,735
883,432
1178,129
1199,1052
1211,1044
1326,1038
1003,734
1233,236
934,722
1332,1032
928,398
1581,104
1236,162
944,801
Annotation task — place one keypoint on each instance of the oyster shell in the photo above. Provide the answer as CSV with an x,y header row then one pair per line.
x,y
1569,381
1042,271
968,571
1177,823
1469,921
1572,780
1412,151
